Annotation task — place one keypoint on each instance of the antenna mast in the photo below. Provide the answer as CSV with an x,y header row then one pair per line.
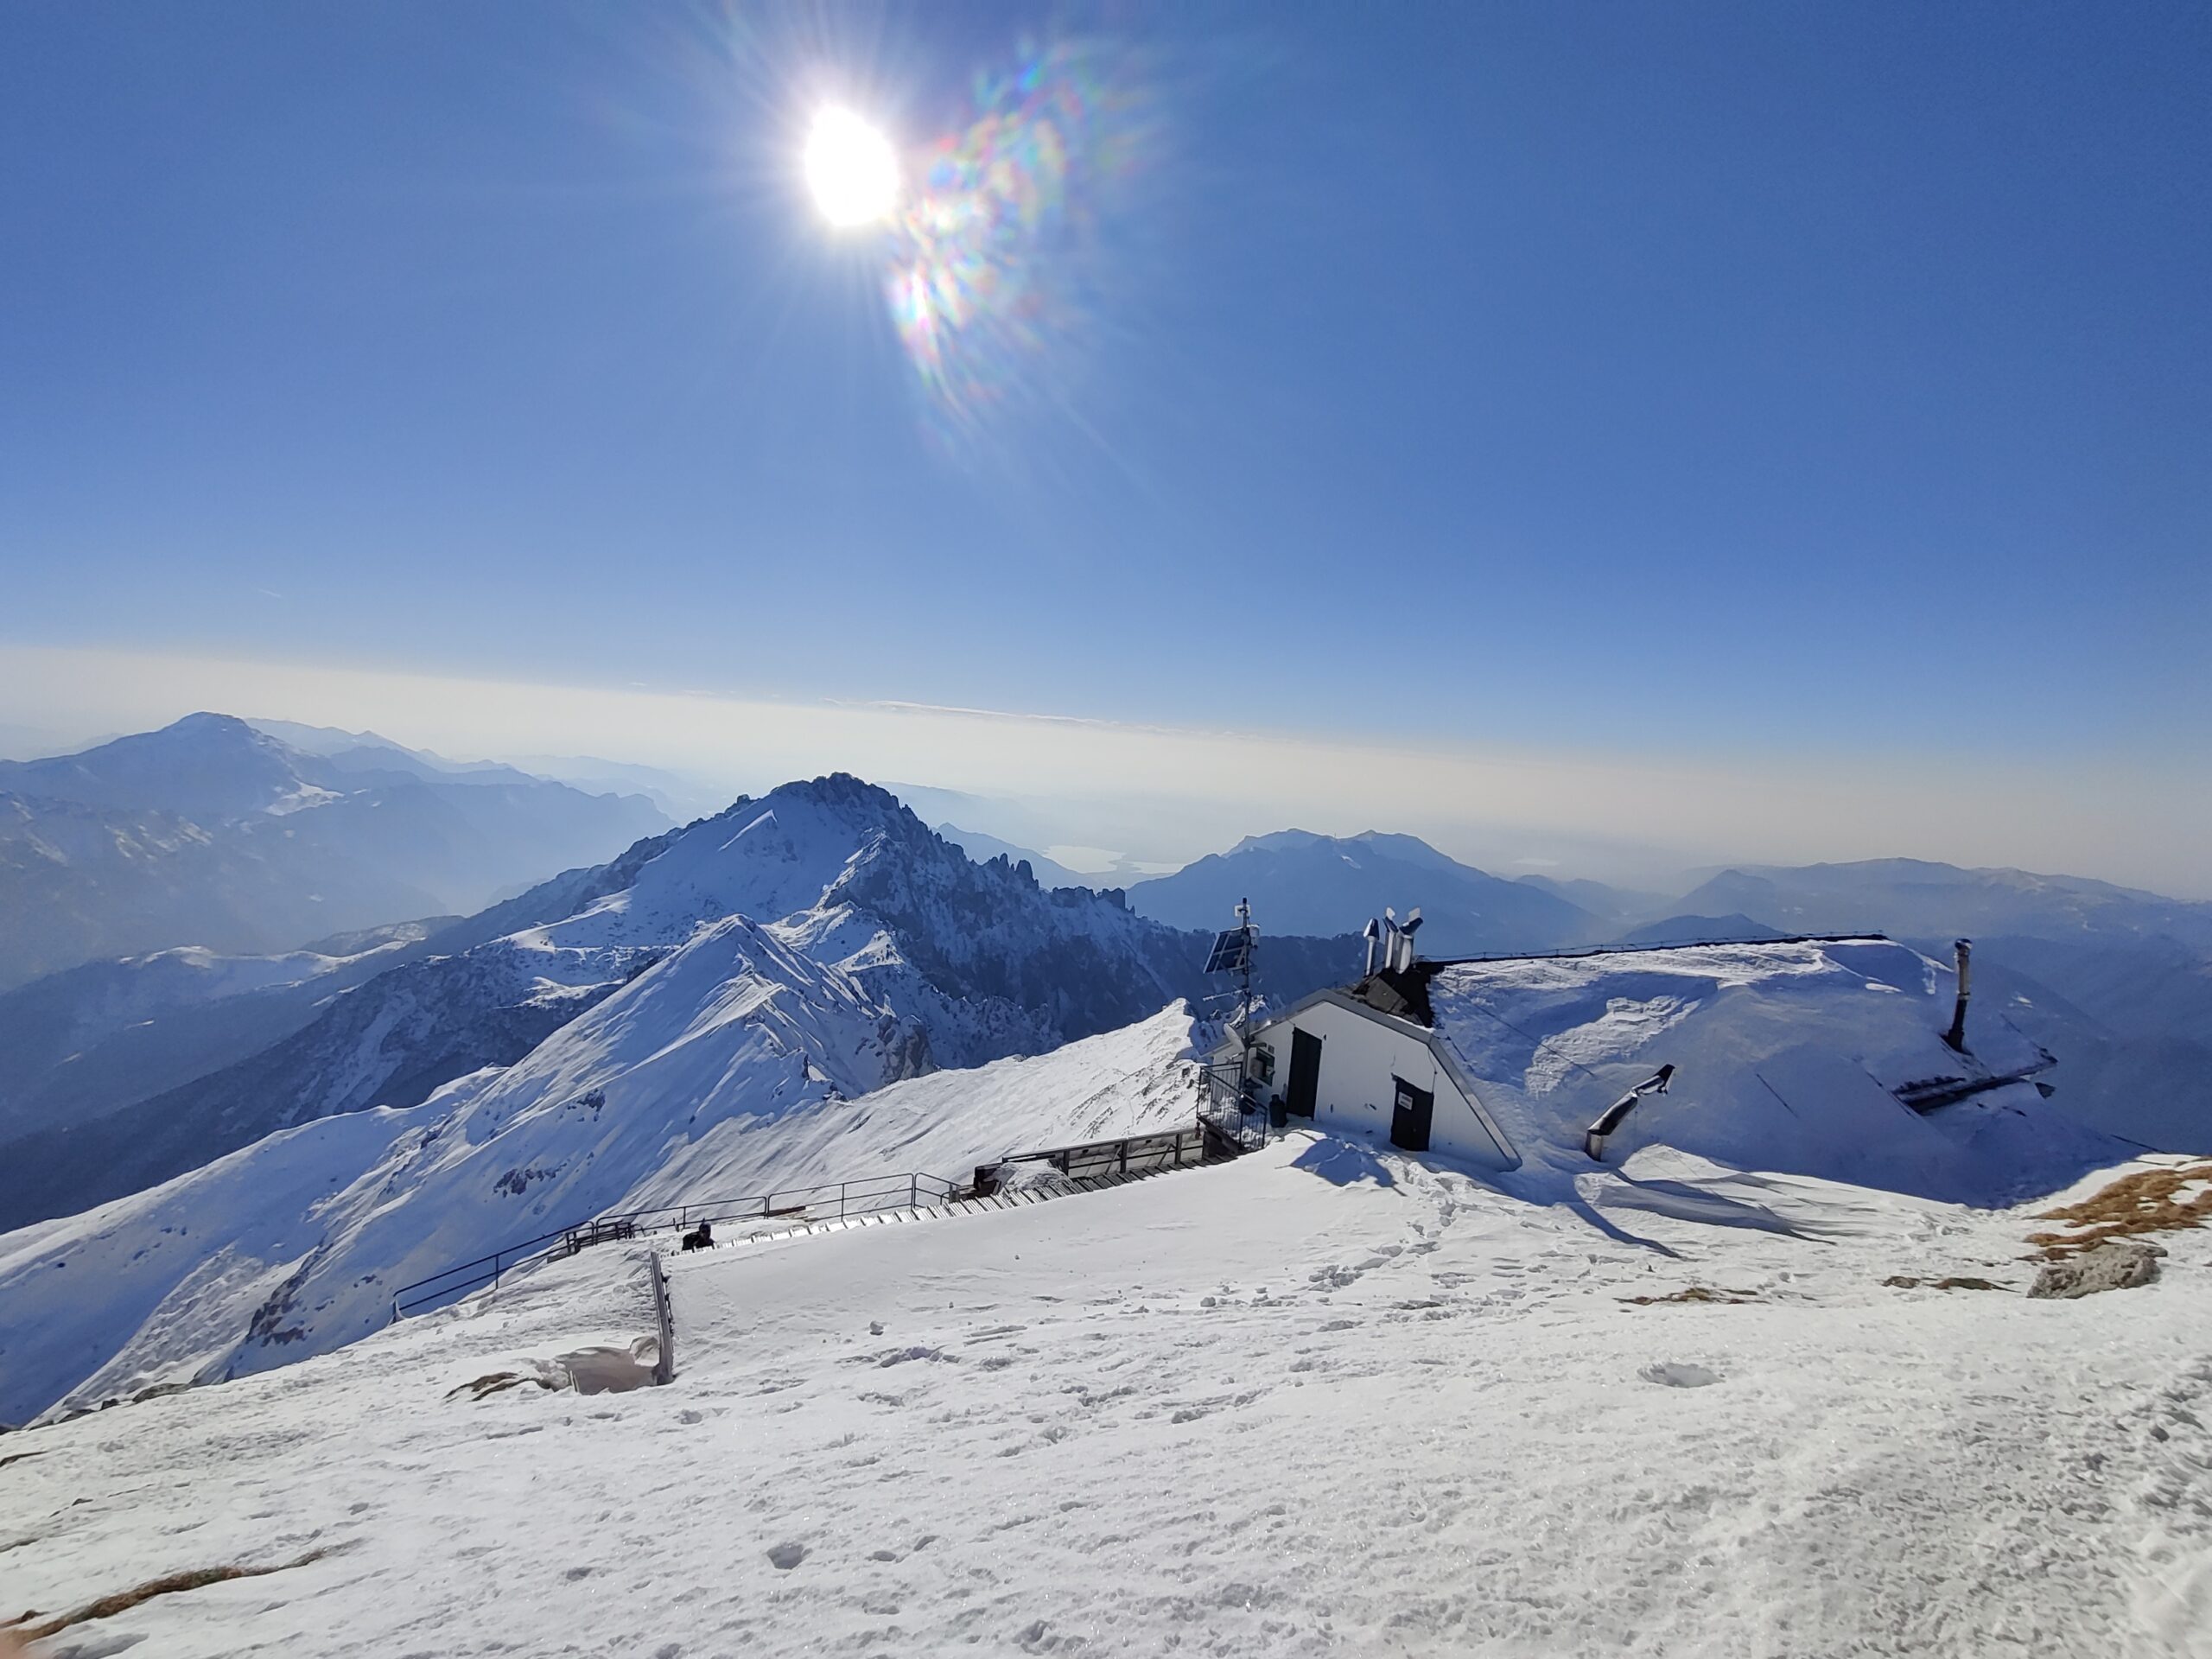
x,y
1232,953
1244,979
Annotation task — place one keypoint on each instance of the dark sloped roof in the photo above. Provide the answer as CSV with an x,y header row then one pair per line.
x,y
1404,994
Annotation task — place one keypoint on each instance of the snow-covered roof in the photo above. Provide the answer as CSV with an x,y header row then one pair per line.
x,y
1794,1054
1787,1055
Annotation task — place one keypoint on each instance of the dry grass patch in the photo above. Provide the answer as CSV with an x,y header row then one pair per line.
x,y
1954,1281
172,1584
484,1387
1693,1294
2143,1201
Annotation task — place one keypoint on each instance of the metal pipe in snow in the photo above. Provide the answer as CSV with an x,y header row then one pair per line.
x,y
1593,1139
1956,1037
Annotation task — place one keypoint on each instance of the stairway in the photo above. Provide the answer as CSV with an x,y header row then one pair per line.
x,y
1014,1197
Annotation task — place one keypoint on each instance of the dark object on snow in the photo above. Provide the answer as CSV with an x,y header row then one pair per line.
x,y
1593,1139
701,1237
2116,1264
1956,1036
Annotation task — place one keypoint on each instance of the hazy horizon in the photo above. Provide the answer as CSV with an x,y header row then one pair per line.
x,y
1164,794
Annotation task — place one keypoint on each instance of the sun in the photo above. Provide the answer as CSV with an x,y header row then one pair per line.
x,y
851,168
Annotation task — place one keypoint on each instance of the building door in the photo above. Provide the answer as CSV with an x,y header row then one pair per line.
x,y
1410,1116
1305,1072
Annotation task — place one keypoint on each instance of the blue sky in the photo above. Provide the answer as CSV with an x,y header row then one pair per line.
x,y
1721,383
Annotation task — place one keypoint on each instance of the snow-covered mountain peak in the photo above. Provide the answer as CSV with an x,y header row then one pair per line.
x,y
1301,882
208,767
767,858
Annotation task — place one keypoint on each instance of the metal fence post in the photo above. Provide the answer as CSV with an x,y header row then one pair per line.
x,y
665,1365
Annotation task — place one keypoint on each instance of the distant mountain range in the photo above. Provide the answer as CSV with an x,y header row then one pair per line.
x,y
1912,897
91,1041
121,1073
980,961
1299,882
616,1030
212,833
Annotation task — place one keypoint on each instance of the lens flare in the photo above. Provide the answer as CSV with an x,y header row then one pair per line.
x,y
851,168
999,240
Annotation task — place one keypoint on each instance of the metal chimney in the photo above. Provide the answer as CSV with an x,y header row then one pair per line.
x,y
1956,1037
1406,940
1374,931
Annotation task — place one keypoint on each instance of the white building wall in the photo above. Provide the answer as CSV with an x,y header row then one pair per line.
x,y
1360,1055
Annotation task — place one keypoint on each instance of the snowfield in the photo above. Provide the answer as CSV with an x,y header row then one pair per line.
x,y
1787,1056
1763,1381
736,1066
646,1019
1325,1399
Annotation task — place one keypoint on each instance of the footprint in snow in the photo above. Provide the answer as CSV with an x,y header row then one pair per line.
x,y
1678,1374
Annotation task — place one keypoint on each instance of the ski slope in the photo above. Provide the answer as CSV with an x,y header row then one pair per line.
x,y
1326,1399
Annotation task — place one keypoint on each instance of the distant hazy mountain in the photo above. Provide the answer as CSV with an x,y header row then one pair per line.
x,y
213,834
91,1041
1904,896
1303,883
983,849
683,796
1619,905
360,753
1699,930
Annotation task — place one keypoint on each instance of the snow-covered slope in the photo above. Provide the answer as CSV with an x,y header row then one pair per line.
x,y
738,1063
978,960
2133,969
1786,1058
1319,1401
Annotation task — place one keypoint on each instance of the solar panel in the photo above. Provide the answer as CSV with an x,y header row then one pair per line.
x,y
1231,952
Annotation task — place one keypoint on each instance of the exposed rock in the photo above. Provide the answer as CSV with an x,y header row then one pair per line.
x,y
2117,1264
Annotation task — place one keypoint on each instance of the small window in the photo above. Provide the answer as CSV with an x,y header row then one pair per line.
x,y
1264,1063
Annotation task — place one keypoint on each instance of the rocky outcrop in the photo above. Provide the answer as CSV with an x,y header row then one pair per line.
x,y
2116,1264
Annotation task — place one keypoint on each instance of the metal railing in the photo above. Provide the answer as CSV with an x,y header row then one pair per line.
x,y
1079,1166
1131,1155
757,1211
